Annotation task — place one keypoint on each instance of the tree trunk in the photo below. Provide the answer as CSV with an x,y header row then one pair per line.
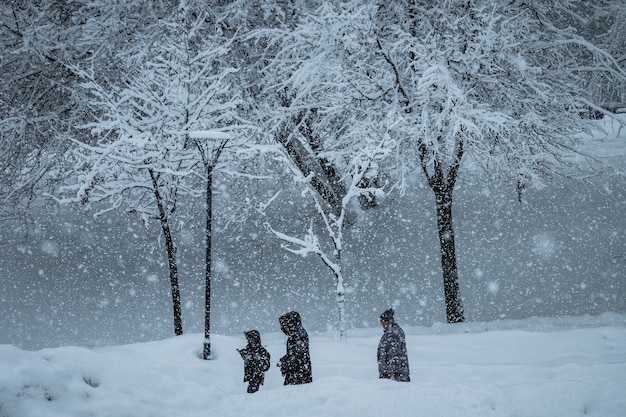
x,y
454,304
171,256
208,230
340,292
341,305
171,261
443,186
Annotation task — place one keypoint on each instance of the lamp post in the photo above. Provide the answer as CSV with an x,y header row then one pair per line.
x,y
210,156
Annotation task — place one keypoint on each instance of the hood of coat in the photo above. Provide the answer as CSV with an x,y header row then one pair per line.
x,y
387,316
290,322
253,337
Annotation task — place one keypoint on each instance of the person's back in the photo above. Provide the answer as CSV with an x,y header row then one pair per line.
x,y
393,361
295,365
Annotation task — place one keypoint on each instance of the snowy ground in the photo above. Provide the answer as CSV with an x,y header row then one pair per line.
x,y
534,367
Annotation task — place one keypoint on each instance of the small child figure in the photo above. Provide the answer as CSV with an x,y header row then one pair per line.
x,y
256,361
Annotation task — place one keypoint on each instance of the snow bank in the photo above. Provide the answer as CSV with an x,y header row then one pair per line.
x,y
536,367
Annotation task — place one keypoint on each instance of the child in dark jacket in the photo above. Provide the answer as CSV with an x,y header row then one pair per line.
x,y
256,361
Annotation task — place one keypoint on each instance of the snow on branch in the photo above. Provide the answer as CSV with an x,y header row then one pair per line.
x,y
310,243
210,135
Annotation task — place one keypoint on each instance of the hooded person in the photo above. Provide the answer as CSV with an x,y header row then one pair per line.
x,y
295,366
256,361
393,361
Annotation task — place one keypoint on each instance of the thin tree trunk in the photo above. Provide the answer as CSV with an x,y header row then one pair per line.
x,y
207,305
340,292
341,304
171,256
454,304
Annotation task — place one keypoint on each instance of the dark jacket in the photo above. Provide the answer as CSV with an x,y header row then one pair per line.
x,y
296,364
393,362
256,359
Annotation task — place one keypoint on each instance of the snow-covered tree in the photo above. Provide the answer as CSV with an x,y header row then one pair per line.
x,y
299,109
305,113
602,22
178,82
328,243
38,98
479,84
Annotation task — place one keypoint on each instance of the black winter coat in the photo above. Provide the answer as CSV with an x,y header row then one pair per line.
x,y
393,361
256,359
296,364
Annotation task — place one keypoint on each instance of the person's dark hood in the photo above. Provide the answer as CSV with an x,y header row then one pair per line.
x,y
290,322
253,336
387,316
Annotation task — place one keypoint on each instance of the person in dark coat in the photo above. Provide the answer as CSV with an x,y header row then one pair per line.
x,y
256,361
295,366
393,362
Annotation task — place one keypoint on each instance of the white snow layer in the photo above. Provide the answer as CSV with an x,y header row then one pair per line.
x,y
535,367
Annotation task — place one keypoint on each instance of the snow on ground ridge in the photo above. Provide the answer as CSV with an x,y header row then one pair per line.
x,y
535,367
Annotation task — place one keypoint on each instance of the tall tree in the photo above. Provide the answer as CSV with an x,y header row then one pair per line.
x,y
177,82
306,115
494,84
329,243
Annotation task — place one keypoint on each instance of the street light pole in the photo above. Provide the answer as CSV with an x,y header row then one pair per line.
x,y
209,159
208,230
